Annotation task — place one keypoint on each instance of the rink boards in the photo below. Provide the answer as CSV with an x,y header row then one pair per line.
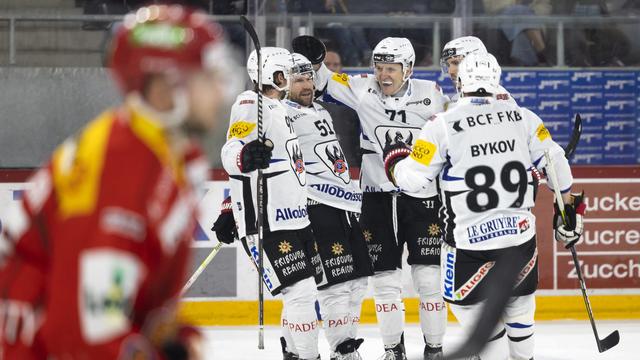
x,y
609,251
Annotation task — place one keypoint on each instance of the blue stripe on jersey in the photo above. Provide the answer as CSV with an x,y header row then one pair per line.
x,y
445,174
535,163
277,160
518,325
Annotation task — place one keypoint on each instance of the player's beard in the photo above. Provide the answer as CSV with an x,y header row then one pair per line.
x,y
304,98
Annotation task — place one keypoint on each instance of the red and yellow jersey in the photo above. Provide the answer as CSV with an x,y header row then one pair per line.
x,y
104,232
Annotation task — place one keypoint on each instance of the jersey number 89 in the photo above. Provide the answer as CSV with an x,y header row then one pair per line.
x,y
485,187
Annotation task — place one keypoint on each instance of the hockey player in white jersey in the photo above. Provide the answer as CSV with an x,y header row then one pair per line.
x,y
392,108
334,203
481,152
452,54
291,261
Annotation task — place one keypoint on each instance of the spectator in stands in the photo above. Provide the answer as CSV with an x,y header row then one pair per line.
x,y
591,46
333,61
525,42
349,40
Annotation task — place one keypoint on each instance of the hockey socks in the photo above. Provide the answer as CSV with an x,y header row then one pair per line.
x,y
300,325
432,310
387,287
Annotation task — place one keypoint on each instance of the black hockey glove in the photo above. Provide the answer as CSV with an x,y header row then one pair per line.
x,y
569,231
312,48
225,225
255,155
391,155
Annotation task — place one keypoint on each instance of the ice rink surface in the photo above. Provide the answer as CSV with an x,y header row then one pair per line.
x,y
555,340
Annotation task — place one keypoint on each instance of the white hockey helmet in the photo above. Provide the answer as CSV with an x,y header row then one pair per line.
x,y
396,51
479,71
274,59
461,46
301,65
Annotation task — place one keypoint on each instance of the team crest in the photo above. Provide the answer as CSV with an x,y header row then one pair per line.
x,y
332,156
368,236
337,158
391,135
296,160
337,249
285,247
434,230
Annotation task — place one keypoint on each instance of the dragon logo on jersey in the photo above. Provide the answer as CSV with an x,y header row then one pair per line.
x,y
391,135
337,158
296,160
398,138
333,157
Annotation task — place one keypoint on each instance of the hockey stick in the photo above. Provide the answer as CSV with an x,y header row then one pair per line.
x,y
260,201
612,339
200,269
506,271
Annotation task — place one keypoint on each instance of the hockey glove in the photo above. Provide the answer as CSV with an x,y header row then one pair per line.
x,y
255,155
569,231
312,48
225,225
391,155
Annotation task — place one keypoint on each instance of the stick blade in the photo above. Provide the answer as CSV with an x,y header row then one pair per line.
x,y
610,341
575,138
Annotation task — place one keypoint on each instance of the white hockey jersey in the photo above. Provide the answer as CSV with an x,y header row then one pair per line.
x,y
284,179
383,119
483,151
328,178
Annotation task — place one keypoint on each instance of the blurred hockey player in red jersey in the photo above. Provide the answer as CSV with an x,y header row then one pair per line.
x,y
93,259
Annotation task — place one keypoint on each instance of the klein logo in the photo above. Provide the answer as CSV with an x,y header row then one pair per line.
x,y
449,275
265,277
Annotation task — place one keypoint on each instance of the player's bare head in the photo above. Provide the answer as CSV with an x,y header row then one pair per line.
x,y
164,56
276,64
479,75
301,87
455,50
392,61
333,61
